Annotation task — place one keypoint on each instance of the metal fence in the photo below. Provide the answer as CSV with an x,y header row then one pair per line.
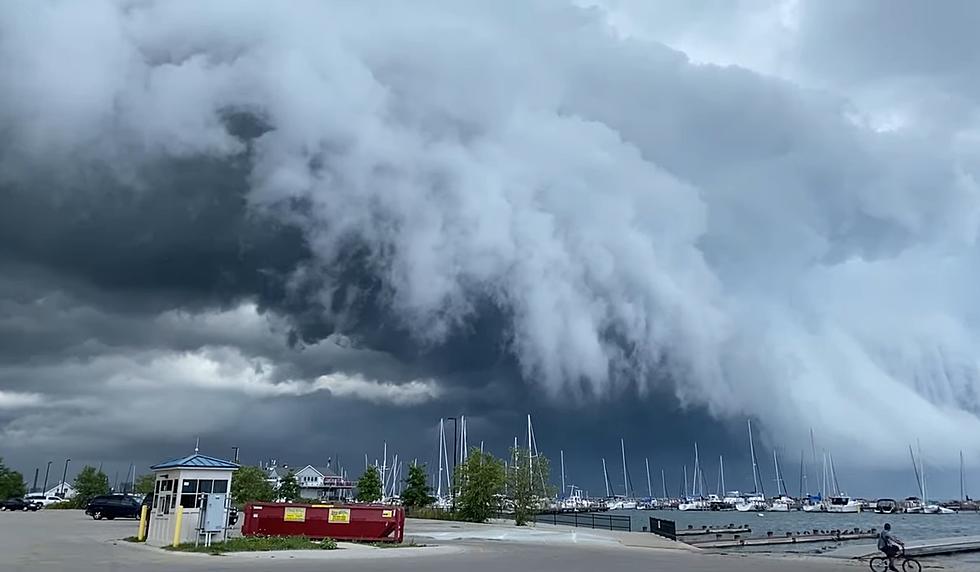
x,y
663,527
587,520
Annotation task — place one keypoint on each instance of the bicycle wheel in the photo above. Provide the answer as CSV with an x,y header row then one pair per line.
x,y
911,565
879,564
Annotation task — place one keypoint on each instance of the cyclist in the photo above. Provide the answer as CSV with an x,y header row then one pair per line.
x,y
889,543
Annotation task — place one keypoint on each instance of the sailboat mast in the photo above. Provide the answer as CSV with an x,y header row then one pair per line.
x,y
663,481
833,475
530,466
775,461
646,461
626,484
721,462
802,474
755,470
962,483
922,471
915,467
562,472
686,493
605,476
697,470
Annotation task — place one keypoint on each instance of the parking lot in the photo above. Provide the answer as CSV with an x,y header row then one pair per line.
x,y
68,541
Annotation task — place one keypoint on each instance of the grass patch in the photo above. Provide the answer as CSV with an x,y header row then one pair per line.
x,y
258,544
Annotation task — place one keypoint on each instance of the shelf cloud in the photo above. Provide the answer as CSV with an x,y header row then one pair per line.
x,y
587,200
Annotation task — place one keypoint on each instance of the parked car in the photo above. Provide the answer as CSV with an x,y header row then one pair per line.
x,y
19,504
43,499
113,506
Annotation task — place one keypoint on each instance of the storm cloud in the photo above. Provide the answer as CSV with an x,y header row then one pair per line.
x,y
273,212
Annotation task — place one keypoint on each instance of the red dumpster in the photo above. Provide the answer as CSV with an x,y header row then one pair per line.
x,y
368,522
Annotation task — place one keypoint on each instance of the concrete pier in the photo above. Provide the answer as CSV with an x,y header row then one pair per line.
x,y
933,547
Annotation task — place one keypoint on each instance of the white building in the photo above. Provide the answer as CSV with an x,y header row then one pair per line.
x,y
63,490
315,483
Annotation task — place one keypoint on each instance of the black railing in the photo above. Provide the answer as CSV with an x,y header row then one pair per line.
x,y
587,520
663,527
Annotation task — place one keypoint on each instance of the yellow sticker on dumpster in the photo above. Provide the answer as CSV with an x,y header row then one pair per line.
x,y
387,513
294,514
339,516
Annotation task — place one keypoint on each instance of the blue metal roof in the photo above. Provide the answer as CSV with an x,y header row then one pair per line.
x,y
196,460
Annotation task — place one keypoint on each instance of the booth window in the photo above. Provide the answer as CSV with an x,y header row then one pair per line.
x,y
220,486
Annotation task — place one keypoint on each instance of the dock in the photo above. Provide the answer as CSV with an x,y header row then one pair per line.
x,y
705,531
784,540
933,547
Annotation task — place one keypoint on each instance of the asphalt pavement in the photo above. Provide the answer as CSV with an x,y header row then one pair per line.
x,y
67,541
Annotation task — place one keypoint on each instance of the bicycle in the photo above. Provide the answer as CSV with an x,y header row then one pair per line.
x,y
909,564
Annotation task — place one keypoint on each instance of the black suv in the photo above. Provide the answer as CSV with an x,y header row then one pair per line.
x,y
113,506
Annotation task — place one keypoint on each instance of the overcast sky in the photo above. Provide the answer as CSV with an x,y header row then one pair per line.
x,y
306,228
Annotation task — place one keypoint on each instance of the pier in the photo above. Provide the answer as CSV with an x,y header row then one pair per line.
x,y
783,540
706,531
932,547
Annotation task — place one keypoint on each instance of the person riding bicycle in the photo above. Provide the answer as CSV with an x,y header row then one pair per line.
x,y
889,543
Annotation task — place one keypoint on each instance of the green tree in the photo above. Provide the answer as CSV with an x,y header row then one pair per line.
x,y
527,483
480,482
89,484
11,483
417,490
145,483
369,486
249,484
289,488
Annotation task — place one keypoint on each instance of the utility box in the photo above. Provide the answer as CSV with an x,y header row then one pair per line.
x,y
214,512
370,522
190,500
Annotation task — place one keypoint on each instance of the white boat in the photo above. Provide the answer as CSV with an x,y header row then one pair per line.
x,y
913,505
841,503
814,507
780,504
694,504
750,506
574,502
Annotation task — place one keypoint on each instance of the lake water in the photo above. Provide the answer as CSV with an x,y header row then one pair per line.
x,y
908,527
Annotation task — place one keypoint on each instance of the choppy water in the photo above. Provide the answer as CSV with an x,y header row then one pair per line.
x,y
906,526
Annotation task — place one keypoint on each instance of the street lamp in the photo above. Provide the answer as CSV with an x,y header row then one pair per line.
x,y
64,477
452,486
45,489
236,453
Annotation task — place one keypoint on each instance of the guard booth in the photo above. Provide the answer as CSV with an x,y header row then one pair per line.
x,y
191,499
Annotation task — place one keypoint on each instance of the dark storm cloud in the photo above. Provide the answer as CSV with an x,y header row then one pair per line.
x,y
330,220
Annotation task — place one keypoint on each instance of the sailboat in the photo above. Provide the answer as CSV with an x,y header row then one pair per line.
x,y
926,507
755,502
782,502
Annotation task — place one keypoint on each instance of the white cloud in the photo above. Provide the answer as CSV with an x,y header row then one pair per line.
x,y
414,392
19,400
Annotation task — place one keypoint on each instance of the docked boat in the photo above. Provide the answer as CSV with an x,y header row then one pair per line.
x,y
886,506
781,504
841,503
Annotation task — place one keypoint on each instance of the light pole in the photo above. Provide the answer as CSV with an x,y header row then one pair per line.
x,y
36,471
46,476
64,477
452,486
236,453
